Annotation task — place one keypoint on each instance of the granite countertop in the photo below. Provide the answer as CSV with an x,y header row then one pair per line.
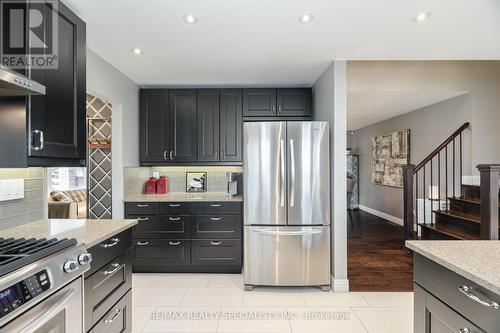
x,y
88,232
183,196
475,260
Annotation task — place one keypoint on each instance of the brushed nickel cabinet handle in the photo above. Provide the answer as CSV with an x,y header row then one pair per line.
x,y
115,315
174,205
114,241
464,330
142,205
165,157
174,218
213,218
172,155
466,290
174,243
116,266
142,219
215,243
215,205
142,243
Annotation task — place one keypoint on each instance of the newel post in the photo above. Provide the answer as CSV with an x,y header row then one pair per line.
x,y
489,200
408,200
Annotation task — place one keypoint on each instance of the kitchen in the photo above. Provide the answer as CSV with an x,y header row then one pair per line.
x,y
228,197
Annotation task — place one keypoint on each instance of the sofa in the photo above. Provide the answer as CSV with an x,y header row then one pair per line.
x,y
70,204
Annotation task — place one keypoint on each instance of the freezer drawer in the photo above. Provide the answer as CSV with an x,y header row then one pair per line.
x,y
287,256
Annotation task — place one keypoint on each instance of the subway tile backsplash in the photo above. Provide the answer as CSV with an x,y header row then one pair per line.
x,y
216,177
31,207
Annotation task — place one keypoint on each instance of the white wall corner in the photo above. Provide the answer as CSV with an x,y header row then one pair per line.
x,y
340,285
393,219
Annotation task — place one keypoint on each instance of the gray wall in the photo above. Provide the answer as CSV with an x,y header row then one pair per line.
x,y
106,82
29,209
431,125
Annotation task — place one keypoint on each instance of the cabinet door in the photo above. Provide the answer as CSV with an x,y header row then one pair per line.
x,y
154,123
183,138
208,125
160,252
294,102
259,102
57,120
215,252
231,125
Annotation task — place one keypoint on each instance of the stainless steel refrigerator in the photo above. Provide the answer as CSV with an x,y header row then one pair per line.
x,y
286,204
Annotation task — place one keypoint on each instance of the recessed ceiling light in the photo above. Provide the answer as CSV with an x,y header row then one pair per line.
x,y
137,51
305,18
422,17
190,19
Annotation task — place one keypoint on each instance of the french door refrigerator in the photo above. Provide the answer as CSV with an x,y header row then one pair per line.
x,y
286,204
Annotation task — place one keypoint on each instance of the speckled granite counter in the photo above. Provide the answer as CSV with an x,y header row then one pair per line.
x,y
183,196
477,261
88,232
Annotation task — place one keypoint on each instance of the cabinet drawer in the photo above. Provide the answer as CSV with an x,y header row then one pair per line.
x,y
445,285
215,252
174,208
161,226
155,252
216,226
106,286
142,208
109,249
216,208
118,319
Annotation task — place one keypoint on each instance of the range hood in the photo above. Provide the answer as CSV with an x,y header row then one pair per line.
x,y
15,84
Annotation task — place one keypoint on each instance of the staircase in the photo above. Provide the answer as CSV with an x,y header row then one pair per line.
x,y
437,205
461,221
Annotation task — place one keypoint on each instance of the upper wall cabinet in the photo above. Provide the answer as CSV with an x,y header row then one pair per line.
x,y
186,126
281,102
52,130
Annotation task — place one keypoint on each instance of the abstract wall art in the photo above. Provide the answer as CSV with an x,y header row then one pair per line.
x,y
389,153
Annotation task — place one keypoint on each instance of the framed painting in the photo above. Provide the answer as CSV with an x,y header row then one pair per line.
x,y
389,153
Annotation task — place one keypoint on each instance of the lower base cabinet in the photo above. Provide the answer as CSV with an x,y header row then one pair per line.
x,y
118,319
108,286
198,237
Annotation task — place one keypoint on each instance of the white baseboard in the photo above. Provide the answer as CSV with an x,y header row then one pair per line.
x,y
383,215
340,285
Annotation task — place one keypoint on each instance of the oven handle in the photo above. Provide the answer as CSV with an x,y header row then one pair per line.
x,y
47,314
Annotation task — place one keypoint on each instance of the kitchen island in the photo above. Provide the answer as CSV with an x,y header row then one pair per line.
x,y
457,286
108,284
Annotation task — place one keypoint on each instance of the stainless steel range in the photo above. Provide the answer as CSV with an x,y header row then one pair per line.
x,y
41,284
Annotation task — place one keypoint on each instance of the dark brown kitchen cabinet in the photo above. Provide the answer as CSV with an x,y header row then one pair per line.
x,y
231,125
154,124
259,102
53,128
57,120
280,102
182,129
208,125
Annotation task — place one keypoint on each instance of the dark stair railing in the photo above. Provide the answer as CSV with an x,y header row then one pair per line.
x,y
441,162
489,200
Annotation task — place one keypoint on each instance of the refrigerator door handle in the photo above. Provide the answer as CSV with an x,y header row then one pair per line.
x,y
292,171
282,173
288,232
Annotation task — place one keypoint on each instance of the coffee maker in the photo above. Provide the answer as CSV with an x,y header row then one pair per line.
x,y
234,183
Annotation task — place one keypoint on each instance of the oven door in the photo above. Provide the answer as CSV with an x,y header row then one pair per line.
x,y
62,312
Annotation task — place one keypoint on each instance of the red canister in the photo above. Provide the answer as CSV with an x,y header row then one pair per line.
x,y
150,187
162,185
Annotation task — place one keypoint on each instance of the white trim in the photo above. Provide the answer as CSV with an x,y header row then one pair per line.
x,y
340,285
383,215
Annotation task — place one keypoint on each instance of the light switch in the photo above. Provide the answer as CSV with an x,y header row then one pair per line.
x,y
11,189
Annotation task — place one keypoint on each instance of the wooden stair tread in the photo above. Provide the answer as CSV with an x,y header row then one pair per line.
x,y
467,200
459,215
448,232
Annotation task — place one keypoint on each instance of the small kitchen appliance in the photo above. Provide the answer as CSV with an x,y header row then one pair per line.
x,y
234,182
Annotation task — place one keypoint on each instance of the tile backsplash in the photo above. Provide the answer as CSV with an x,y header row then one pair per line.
x,y
31,207
134,178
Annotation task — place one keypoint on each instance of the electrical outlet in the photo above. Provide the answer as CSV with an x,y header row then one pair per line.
x,y
11,189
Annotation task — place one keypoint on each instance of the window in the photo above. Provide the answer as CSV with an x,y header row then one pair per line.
x,y
63,179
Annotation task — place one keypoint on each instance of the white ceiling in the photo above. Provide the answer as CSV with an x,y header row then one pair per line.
x,y
260,42
369,107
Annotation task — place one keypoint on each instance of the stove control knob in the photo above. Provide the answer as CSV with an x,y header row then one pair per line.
x,y
84,258
71,266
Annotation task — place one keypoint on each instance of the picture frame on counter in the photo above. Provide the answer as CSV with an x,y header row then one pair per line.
x,y
196,181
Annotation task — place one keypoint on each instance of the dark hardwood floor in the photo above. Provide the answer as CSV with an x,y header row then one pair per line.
x,y
376,258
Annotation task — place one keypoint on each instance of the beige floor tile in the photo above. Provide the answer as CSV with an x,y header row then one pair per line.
x,y
324,319
253,319
157,296
213,297
388,299
334,299
259,297
226,281
183,319
386,320
183,280
144,279
140,315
